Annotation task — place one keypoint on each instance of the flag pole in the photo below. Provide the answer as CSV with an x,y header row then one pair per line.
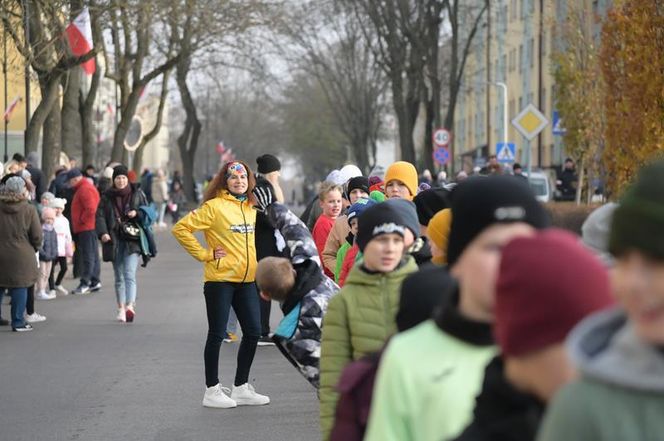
x,y
26,11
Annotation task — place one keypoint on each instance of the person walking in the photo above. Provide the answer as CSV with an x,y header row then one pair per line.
x,y
83,212
20,238
118,211
227,219
160,196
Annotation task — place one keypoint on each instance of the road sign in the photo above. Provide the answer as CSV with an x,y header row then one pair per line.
x,y
441,138
441,156
506,153
558,128
530,122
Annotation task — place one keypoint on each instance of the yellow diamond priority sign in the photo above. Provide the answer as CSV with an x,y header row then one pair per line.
x,y
530,122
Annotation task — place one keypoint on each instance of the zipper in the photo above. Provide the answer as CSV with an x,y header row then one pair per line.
x,y
246,241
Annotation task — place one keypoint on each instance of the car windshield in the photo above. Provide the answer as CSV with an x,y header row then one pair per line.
x,y
538,185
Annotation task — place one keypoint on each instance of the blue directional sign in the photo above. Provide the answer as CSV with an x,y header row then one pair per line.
x,y
506,153
441,155
557,126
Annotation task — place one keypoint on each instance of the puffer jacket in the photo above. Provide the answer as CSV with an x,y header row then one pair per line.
x,y
20,237
226,222
359,321
49,249
298,335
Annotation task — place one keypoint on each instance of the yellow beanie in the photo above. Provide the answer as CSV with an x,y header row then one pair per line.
x,y
405,172
439,232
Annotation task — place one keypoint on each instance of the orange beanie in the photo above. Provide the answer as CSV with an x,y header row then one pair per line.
x,y
439,232
405,172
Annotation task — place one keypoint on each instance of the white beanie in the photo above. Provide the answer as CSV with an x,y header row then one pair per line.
x,y
347,172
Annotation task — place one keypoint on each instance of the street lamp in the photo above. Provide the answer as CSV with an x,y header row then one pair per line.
x,y
504,87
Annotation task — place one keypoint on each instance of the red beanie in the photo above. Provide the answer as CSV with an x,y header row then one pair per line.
x,y
547,284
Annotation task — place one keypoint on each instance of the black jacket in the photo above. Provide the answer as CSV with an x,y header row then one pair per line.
x,y
266,242
107,220
502,413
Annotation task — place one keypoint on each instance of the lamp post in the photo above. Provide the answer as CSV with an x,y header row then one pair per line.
x,y
503,86
26,12
4,76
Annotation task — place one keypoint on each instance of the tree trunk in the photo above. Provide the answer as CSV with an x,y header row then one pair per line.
x,y
128,113
49,91
86,112
71,121
51,146
188,140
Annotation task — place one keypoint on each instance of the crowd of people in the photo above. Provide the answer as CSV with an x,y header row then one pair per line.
x,y
48,226
445,311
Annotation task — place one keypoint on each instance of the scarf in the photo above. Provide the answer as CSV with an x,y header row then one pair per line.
x,y
121,199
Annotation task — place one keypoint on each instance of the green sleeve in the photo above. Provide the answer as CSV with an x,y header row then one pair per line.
x,y
335,355
390,419
341,255
569,416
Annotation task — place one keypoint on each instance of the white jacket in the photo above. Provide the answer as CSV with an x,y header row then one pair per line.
x,y
63,231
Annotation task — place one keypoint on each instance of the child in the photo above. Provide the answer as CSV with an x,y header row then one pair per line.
x,y
354,212
620,395
401,181
362,316
65,246
298,284
47,253
330,202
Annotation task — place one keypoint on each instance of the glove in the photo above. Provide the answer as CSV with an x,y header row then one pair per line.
x,y
264,195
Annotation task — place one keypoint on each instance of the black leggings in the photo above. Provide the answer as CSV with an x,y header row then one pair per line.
x,y
61,274
219,296
30,303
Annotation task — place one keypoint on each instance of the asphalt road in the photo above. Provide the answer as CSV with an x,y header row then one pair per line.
x,y
82,376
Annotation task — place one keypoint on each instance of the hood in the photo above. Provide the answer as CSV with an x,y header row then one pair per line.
x,y
10,202
606,349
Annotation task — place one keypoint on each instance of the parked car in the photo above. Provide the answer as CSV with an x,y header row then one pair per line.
x,y
541,185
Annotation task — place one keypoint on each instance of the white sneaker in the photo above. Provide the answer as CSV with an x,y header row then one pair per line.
x,y
216,396
121,317
62,290
34,317
44,296
245,395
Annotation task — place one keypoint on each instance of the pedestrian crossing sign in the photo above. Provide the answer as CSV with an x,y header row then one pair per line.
x,y
506,153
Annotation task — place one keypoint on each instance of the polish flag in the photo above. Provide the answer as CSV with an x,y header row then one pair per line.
x,y
221,148
79,34
10,109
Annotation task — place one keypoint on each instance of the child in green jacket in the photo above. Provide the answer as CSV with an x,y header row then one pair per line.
x,y
361,316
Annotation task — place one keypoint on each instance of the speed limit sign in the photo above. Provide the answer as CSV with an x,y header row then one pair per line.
x,y
441,138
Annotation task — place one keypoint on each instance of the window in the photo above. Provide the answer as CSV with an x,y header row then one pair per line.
x,y
511,110
504,70
520,57
543,103
522,9
532,6
531,52
543,42
530,98
513,10
520,104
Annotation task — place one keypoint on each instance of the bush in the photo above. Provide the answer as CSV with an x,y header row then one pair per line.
x,y
568,215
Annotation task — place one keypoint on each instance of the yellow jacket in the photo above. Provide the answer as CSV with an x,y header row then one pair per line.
x,y
228,223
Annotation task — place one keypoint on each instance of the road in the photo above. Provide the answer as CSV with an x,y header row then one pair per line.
x,y
82,376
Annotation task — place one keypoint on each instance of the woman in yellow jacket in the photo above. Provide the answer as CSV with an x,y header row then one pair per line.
x,y
227,219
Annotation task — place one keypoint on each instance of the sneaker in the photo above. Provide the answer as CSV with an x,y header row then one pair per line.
x,y
121,317
96,287
130,313
25,328
265,341
34,317
62,290
231,337
245,395
44,296
82,289
216,396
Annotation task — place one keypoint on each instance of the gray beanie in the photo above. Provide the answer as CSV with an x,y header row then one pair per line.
x,y
595,232
14,185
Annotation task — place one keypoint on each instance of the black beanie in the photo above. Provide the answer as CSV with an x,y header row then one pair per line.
x,y
408,212
376,220
357,182
429,202
639,219
479,202
120,170
421,293
267,164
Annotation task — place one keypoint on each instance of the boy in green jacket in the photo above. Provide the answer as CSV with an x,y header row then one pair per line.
x,y
619,353
429,375
361,317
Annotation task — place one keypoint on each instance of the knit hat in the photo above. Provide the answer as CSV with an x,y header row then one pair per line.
x,y
377,220
479,202
547,283
595,232
358,182
405,172
421,293
638,221
409,213
430,202
48,196
377,196
73,173
58,203
267,164
15,185
347,172
47,213
355,210
439,230
120,170
373,180
334,177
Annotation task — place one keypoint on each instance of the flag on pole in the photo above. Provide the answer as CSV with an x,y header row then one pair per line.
x,y
10,109
79,34
221,148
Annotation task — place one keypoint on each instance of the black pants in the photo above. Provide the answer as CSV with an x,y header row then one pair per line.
x,y
53,282
30,303
219,297
266,306
89,248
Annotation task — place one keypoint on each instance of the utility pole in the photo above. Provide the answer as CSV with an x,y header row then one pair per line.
x,y
4,76
540,61
26,18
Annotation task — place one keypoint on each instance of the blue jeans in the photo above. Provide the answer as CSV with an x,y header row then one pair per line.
x,y
124,267
89,248
219,297
19,298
